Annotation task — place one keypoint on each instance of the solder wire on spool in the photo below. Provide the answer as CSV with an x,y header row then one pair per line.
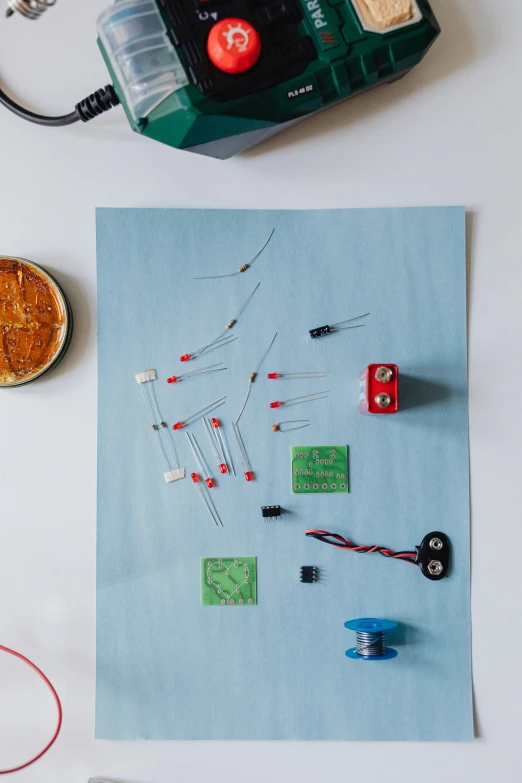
x,y
370,639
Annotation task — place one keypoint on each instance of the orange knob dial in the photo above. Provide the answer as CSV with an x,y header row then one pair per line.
x,y
233,45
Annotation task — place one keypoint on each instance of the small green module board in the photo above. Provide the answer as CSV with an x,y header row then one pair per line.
x,y
318,469
228,581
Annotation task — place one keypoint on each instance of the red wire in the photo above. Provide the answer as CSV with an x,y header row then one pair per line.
x,y
58,704
365,549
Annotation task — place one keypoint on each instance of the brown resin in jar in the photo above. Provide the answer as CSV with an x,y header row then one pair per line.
x,y
33,321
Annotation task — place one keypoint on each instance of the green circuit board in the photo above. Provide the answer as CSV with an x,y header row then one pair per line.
x,y
228,581
319,469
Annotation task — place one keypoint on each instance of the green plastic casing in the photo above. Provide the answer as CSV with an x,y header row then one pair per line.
x,y
359,60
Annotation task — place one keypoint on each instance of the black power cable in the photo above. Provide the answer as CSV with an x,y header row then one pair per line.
x,y
95,104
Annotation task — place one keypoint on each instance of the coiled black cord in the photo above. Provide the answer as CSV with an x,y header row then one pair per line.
x,y
90,107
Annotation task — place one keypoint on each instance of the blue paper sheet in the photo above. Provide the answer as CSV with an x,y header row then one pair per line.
x,y
169,668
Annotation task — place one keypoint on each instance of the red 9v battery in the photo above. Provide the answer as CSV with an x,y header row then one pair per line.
x,y
379,389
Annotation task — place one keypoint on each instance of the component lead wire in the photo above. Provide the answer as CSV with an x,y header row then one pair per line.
x,y
243,267
253,376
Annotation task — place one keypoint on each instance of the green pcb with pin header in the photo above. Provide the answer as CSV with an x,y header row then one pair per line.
x,y
319,469
228,581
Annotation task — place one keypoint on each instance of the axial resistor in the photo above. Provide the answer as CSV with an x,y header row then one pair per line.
x,y
231,323
243,268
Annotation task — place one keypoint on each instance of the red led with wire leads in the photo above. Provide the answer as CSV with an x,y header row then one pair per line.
x,y
249,475
173,379
195,478
223,468
215,423
275,404
273,376
210,483
185,358
178,425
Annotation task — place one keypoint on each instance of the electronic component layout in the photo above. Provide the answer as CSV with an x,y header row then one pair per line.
x,y
228,581
319,469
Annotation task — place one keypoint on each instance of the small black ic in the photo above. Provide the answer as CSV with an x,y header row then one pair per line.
x,y
271,512
320,331
309,574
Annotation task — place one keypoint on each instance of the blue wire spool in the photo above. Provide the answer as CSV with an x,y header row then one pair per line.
x,y
370,639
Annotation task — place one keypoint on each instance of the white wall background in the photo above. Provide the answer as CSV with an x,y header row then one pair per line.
x,y
447,134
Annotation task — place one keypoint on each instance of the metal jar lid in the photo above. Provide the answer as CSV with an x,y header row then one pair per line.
x,y
22,302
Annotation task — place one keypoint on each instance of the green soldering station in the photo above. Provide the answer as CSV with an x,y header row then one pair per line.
x,y
217,77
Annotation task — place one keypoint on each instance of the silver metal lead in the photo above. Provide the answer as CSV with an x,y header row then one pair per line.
x,y
243,267
348,320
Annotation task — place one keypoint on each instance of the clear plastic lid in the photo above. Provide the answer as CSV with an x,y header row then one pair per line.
x,y
142,56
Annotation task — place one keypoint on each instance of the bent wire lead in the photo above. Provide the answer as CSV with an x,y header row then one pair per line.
x,y
213,442
301,376
216,428
281,426
199,414
247,467
207,500
145,378
253,376
203,371
243,267
303,398
219,446
223,438
213,346
321,331
200,459
221,339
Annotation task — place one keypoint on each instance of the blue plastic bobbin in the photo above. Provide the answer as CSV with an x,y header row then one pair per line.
x,y
371,625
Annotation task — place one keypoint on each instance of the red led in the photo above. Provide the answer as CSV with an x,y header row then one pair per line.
x,y
223,468
275,404
215,422
173,379
185,358
195,478
210,483
249,475
273,376
178,426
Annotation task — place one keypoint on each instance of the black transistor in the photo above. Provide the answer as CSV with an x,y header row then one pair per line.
x,y
309,574
271,512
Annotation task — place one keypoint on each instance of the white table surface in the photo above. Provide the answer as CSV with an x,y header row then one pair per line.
x,y
449,133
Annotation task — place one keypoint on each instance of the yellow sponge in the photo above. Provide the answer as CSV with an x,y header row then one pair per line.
x,y
386,13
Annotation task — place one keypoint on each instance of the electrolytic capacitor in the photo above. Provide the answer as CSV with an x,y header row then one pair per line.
x,y
322,331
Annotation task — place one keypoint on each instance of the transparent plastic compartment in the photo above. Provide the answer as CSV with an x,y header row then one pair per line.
x,y
141,54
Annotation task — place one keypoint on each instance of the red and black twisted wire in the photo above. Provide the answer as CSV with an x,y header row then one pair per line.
x,y
342,543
